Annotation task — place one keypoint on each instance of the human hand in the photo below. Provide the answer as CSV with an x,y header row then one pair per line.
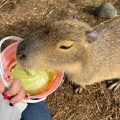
x,y
15,93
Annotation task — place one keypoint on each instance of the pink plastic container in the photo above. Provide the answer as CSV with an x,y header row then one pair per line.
x,y
8,57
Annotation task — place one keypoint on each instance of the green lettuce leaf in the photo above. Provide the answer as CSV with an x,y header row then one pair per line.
x,y
34,81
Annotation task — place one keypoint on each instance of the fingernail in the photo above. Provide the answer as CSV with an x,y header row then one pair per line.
x,y
26,96
6,96
7,78
13,103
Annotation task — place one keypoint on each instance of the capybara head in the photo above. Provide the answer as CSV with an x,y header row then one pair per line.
x,y
57,45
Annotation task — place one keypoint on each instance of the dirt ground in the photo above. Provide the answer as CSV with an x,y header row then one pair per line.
x,y
23,17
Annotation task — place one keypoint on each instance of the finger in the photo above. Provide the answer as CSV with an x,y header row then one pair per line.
x,y
14,89
17,98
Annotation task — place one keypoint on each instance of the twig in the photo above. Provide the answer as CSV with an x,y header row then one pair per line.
x,y
6,2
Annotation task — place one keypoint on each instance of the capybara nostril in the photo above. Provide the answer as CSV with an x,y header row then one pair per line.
x,y
23,57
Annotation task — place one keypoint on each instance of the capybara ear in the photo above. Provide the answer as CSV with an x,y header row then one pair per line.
x,y
91,36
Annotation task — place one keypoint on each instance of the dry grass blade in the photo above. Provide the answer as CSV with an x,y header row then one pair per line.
x,y
4,2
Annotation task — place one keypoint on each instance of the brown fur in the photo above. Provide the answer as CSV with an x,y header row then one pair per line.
x,y
85,63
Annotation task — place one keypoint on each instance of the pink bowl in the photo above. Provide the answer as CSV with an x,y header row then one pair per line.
x,y
8,57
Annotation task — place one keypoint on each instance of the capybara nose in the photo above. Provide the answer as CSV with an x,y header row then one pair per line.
x,y
21,51
22,57
21,54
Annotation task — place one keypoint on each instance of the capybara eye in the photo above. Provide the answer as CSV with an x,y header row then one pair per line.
x,y
65,47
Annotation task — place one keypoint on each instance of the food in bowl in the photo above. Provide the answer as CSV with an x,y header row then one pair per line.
x,y
35,82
